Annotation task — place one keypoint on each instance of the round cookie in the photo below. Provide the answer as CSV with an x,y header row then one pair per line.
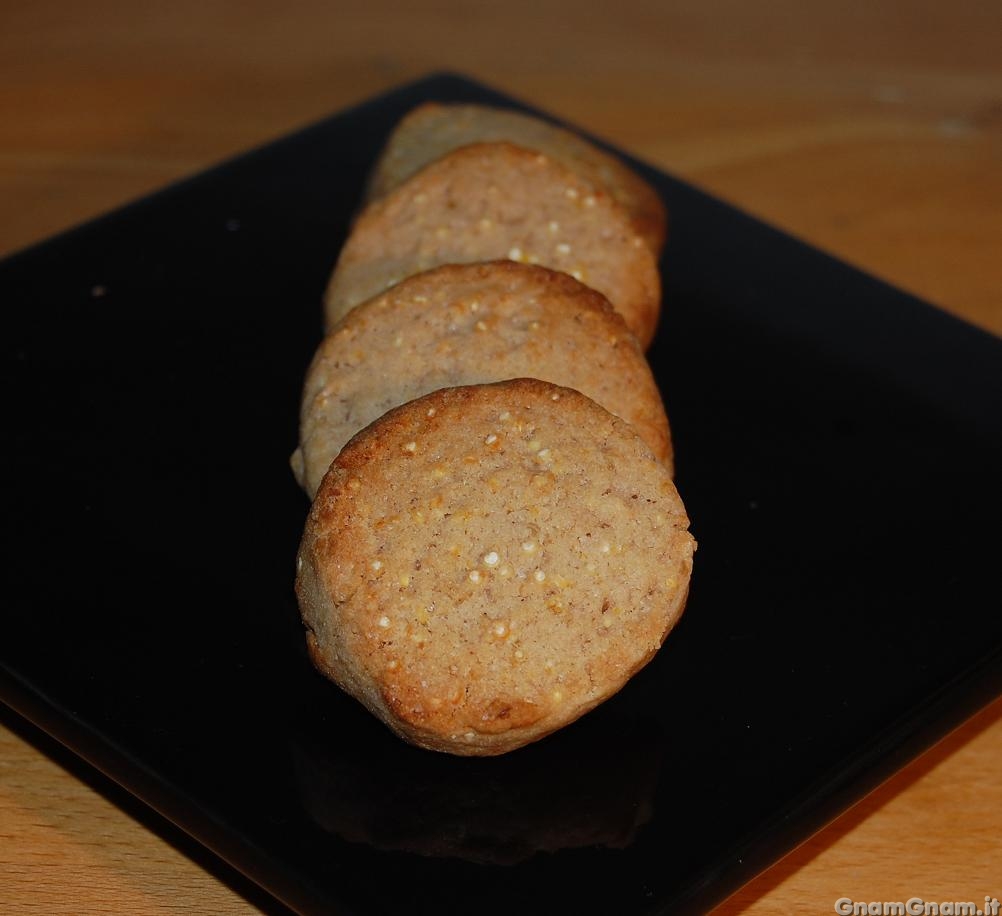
x,y
466,324
431,130
485,564
496,200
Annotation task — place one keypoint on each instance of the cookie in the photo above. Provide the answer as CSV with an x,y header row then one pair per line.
x,y
495,200
466,324
485,564
431,130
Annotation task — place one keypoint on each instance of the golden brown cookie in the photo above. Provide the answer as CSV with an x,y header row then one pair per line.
x,y
485,564
465,324
496,200
431,130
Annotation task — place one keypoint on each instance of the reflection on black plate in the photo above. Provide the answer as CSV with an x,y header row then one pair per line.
x,y
592,786
838,447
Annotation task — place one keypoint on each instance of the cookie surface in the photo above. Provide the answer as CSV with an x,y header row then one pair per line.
x,y
485,564
496,200
466,324
431,130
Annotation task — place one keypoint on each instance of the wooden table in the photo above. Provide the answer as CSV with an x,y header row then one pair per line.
x,y
873,130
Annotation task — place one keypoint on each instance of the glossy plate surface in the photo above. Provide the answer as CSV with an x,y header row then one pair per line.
x,y
838,448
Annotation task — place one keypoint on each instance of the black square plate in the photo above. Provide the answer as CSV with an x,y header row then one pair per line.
x,y
839,452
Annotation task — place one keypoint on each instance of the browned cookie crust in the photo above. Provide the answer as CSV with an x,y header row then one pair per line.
x,y
496,200
431,130
466,324
483,565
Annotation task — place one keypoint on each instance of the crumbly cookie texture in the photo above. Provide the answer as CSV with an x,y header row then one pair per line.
x,y
491,201
485,564
466,324
431,130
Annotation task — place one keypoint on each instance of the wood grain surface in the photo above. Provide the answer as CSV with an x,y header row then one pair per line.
x,y
871,129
